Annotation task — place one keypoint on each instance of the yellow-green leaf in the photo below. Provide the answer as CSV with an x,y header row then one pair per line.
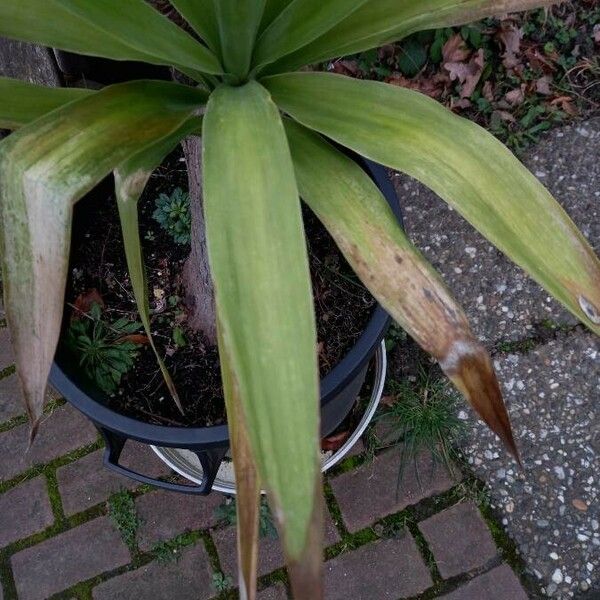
x,y
45,167
258,260
22,102
364,227
462,163
379,22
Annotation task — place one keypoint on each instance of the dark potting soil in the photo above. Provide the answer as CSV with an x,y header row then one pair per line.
x,y
343,306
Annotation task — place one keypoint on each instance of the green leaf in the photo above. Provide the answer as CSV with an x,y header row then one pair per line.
x,y
45,167
22,102
200,14
462,163
379,22
258,260
272,9
413,56
301,22
131,178
238,25
364,227
114,29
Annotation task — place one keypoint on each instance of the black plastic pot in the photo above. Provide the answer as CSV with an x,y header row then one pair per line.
x,y
339,390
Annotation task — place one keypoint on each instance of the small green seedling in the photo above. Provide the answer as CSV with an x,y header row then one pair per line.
x,y
221,583
173,214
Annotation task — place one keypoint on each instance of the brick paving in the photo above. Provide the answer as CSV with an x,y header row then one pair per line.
x,y
57,540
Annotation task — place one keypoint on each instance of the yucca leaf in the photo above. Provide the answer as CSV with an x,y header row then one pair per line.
x,y
258,260
200,14
272,10
299,23
462,163
364,227
379,22
22,102
131,178
130,30
247,482
238,27
45,167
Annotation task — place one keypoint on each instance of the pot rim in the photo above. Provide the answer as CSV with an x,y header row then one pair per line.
x,y
64,375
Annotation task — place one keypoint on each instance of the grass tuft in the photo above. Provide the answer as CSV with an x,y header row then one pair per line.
x,y
121,508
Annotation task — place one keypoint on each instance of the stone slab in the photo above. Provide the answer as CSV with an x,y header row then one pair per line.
x,y
7,357
551,508
499,583
385,569
65,430
270,554
62,561
459,539
11,405
275,592
86,482
165,515
370,492
189,578
24,510
500,300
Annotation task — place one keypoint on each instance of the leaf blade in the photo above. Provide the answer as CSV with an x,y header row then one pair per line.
x,y
22,102
299,23
365,229
45,168
380,22
258,261
108,28
464,165
200,14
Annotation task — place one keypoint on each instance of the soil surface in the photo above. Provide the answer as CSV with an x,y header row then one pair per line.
x,y
343,306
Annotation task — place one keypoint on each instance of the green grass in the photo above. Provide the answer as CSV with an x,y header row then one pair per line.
x,y
423,416
121,508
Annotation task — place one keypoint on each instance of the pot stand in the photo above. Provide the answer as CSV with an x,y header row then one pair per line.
x,y
192,466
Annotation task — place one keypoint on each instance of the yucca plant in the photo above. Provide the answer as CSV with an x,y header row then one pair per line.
x,y
267,137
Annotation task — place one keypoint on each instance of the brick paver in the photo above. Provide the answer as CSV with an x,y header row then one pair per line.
x,y
85,483
167,514
385,569
360,508
498,584
270,554
66,429
24,510
62,561
7,357
189,578
10,399
459,539
275,592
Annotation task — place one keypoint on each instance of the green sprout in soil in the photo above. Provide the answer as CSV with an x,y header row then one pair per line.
x,y
173,214
221,583
106,351
226,512
170,550
422,416
121,508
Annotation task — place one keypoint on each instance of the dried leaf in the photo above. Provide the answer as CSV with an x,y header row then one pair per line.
x,y
511,38
334,442
516,97
84,302
455,50
542,85
134,338
468,74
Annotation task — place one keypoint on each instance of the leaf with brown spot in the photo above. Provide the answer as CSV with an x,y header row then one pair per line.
x,y
367,232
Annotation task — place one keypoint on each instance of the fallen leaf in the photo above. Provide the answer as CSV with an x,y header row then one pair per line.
x,y
334,442
511,37
467,74
597,33
455,49
542,85
565,103
388,400
505,116
516,96
579,504
84,302
488,91
134,338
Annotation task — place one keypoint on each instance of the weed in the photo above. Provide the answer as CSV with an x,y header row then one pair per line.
x,y
170,550
423,417
173,214
394,336
121,509
227,512
221,583
106,350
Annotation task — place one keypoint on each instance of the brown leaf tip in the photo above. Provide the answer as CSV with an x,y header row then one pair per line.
x,y
591,312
